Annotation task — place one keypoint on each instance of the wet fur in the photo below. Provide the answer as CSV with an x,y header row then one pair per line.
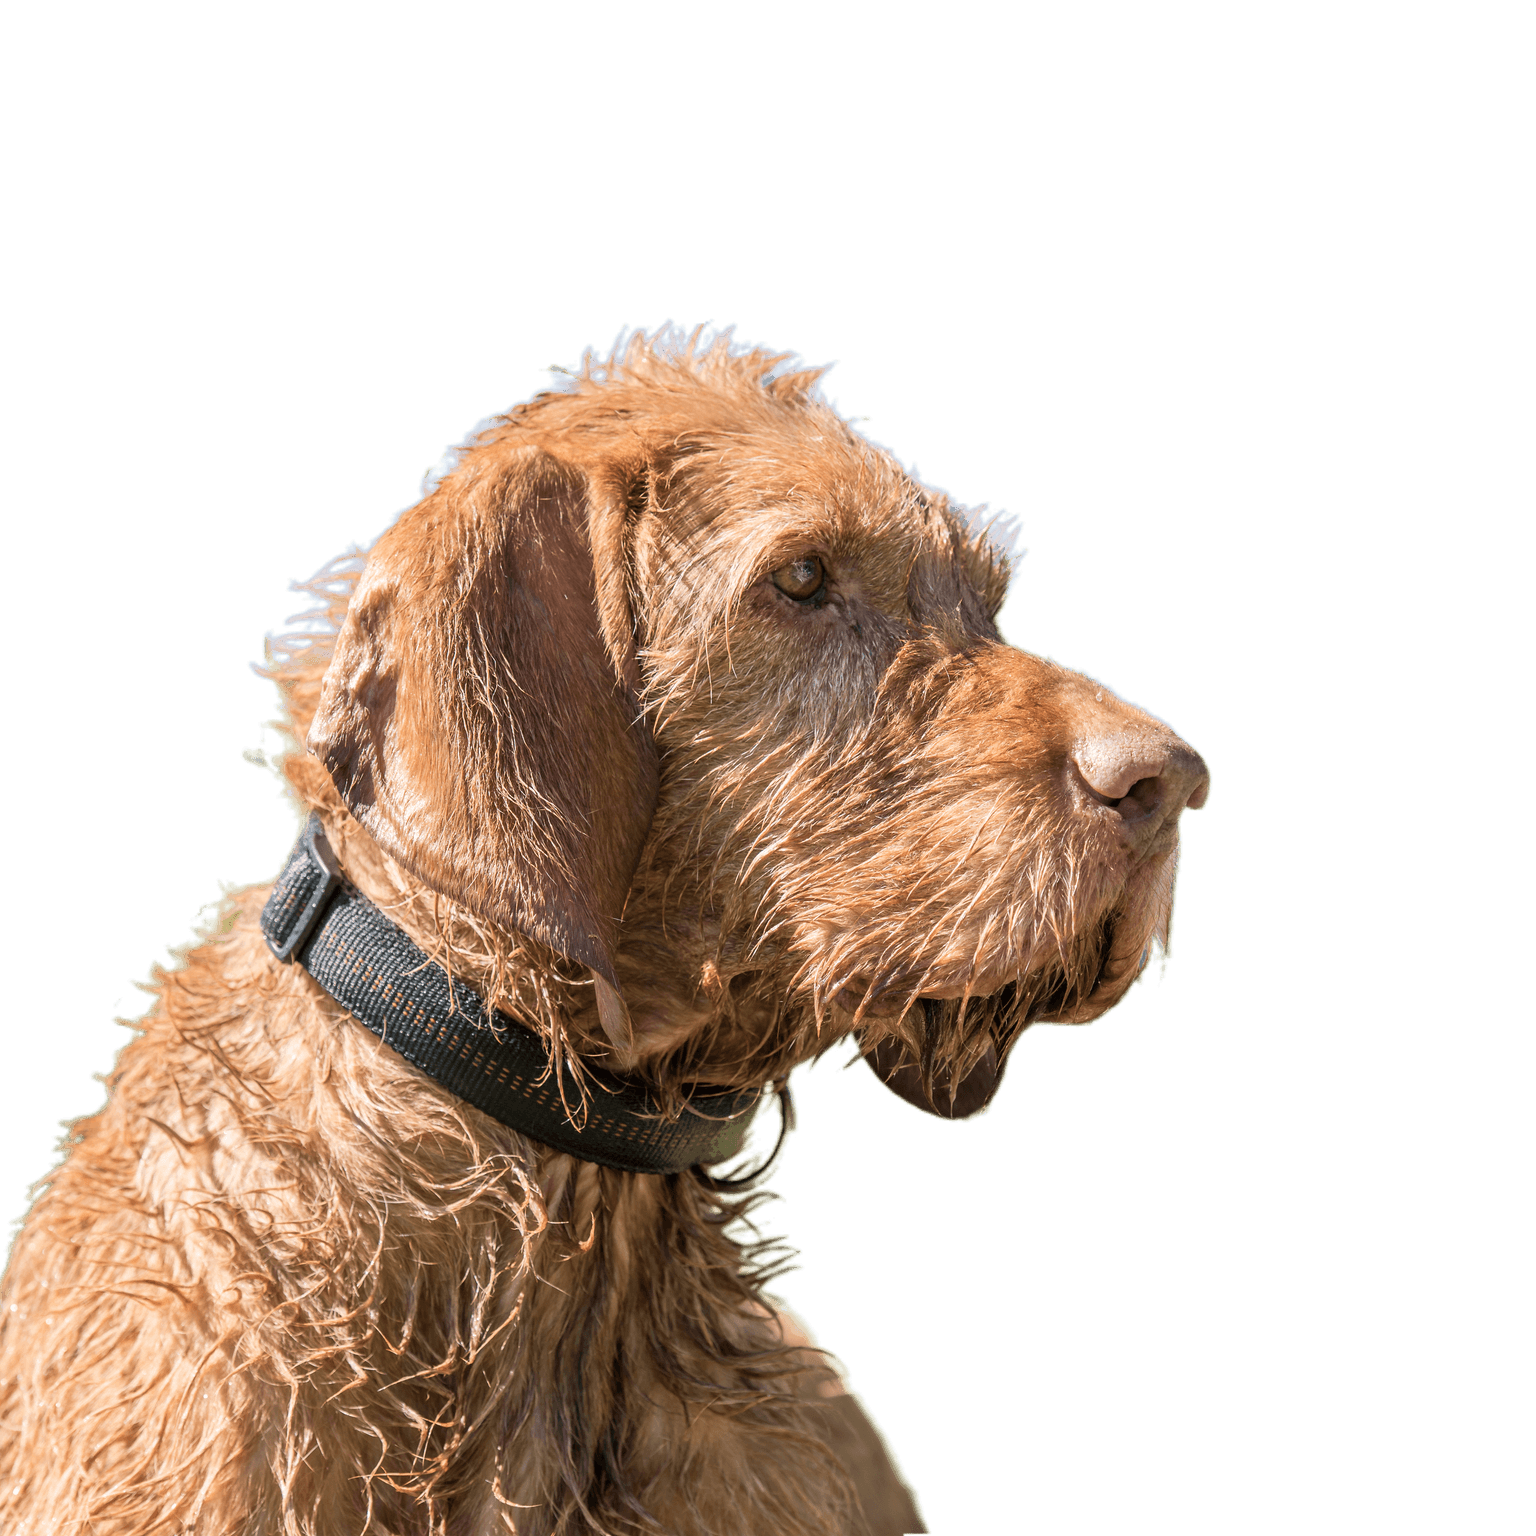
x,y
282,1283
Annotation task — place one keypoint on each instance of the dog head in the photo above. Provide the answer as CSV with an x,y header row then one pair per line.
x,y
683,679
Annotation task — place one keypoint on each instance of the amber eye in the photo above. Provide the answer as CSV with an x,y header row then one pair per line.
x,y
800,579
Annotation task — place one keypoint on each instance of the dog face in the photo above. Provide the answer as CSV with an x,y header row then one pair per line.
x,y
682,678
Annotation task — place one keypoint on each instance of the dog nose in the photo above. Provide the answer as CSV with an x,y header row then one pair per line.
x,y
1147,778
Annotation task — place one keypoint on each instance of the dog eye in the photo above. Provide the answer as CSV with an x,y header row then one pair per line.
x,y
800,579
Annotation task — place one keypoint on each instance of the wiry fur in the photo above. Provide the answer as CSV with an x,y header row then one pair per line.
x,y
282,1283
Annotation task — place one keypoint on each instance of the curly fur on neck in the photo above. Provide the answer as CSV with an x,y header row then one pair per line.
x,y
296,1289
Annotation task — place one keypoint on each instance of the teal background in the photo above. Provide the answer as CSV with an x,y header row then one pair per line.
x,y
1229,306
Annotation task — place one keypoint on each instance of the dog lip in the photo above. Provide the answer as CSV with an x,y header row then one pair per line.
x,y
1106,991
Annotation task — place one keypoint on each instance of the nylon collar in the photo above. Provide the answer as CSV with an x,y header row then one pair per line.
x,y
315,919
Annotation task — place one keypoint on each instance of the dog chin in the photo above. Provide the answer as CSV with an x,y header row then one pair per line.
x,y
1097,974
1135,924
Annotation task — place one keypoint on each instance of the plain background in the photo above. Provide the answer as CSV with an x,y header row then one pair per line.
x,y
1229,305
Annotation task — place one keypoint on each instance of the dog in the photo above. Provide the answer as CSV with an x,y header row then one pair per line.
x,y
672,740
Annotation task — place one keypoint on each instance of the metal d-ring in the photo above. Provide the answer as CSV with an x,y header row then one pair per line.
x,y
745,1183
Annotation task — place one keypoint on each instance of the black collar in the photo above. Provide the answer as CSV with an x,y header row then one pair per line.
x,y
487,1058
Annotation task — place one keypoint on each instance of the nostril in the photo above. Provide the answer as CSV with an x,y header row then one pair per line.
x,y
1147,777
1141,799
1114,768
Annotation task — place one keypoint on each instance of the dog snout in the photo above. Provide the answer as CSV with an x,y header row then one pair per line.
x,y
1146,778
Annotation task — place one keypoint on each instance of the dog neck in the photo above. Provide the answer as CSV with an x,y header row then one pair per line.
x,y
316,919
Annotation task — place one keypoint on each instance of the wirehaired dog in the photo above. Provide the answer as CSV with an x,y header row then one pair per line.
x,y
674,728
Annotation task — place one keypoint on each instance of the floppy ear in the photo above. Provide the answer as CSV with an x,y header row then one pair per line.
x,y
894,1066
479,716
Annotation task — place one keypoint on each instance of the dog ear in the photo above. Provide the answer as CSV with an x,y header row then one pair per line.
x,y
894,1066
480,717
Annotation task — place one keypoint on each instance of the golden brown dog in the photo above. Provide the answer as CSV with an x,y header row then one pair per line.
x,y
675,721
